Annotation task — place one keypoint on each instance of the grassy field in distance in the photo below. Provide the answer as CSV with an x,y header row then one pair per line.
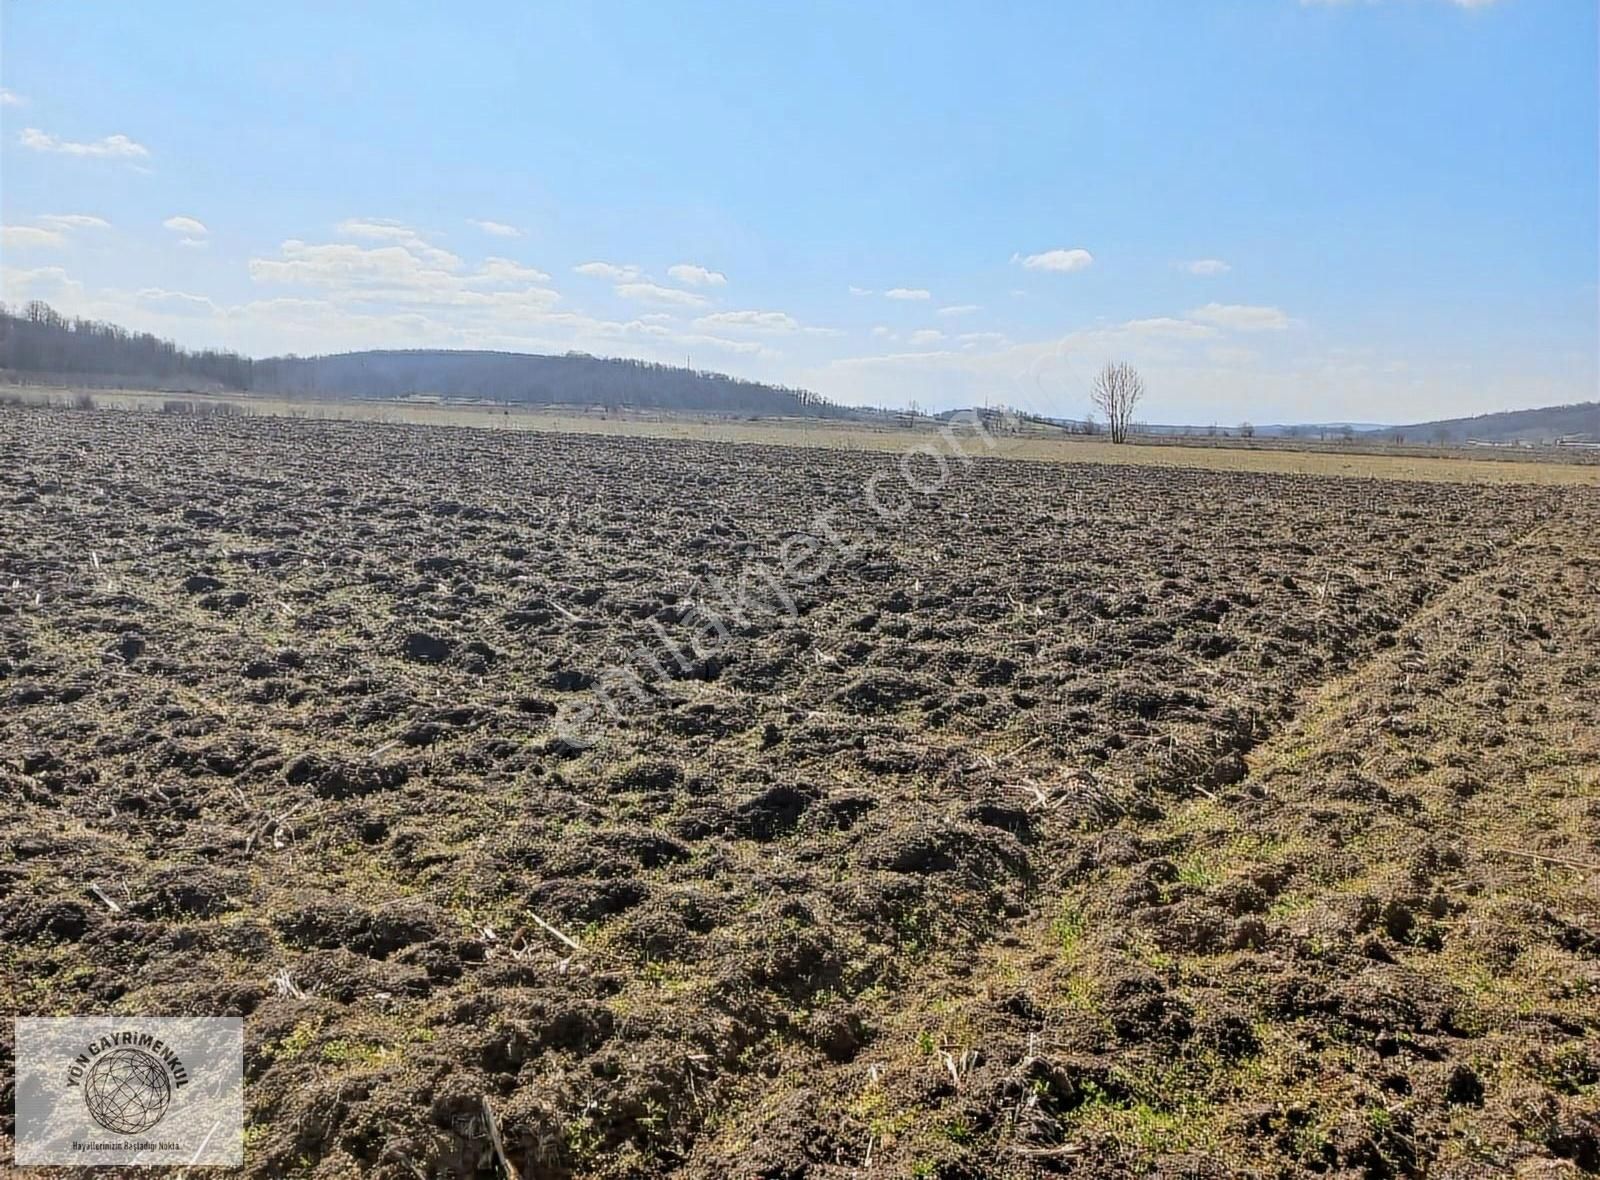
x,y
1367,459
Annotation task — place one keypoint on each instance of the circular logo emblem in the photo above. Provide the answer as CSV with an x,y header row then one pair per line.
x,y
127,1091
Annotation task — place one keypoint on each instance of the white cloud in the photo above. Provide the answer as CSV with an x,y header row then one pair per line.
x,y
1056,260
384,229
608,270
754,321
49,283
505,270
926,336
187,226
882,333
697,340
9,98
907,293
1241,317
67,221
25,236
854,290
112,147
498,229
960,309
1168,328
697,276
1206,266
340,264
52,230
177,302
414,274
379,229
193,243
647,292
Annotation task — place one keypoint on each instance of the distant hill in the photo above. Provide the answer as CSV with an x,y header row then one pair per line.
x,y
528,378
1545,424
41,343
1579,422
38,340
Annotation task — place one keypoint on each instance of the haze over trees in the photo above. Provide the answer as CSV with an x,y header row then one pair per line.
x,y
530,379
1581,420
39,341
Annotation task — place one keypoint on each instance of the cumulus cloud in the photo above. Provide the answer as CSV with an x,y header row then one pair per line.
x,y
926,336
9,98
337,264
647,292
187,226
1168,328
176,302
112,147
1239,317
505,270
68,221
854,290
25,236
770,323
698,339
379,229
1206,266
51,230
50,283
1056,260
408,272
608,270
754,321
697,276
384,229
387,278
498,229
960,309
910,293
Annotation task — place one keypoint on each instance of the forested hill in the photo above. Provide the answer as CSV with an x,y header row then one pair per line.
x,y
38,341
572,379
1540,425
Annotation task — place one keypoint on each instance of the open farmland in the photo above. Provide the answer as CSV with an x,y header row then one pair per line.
x,y
1076,820
1372,459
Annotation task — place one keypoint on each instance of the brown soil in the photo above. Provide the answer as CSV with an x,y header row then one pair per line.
x,y
1098,821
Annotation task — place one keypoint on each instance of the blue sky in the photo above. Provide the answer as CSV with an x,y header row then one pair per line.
x,y
1373,209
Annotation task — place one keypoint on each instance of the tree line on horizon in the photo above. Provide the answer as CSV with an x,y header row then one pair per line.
x,y
37,340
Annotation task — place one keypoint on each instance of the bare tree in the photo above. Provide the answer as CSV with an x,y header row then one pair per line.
x,y
1117,391
1246,430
